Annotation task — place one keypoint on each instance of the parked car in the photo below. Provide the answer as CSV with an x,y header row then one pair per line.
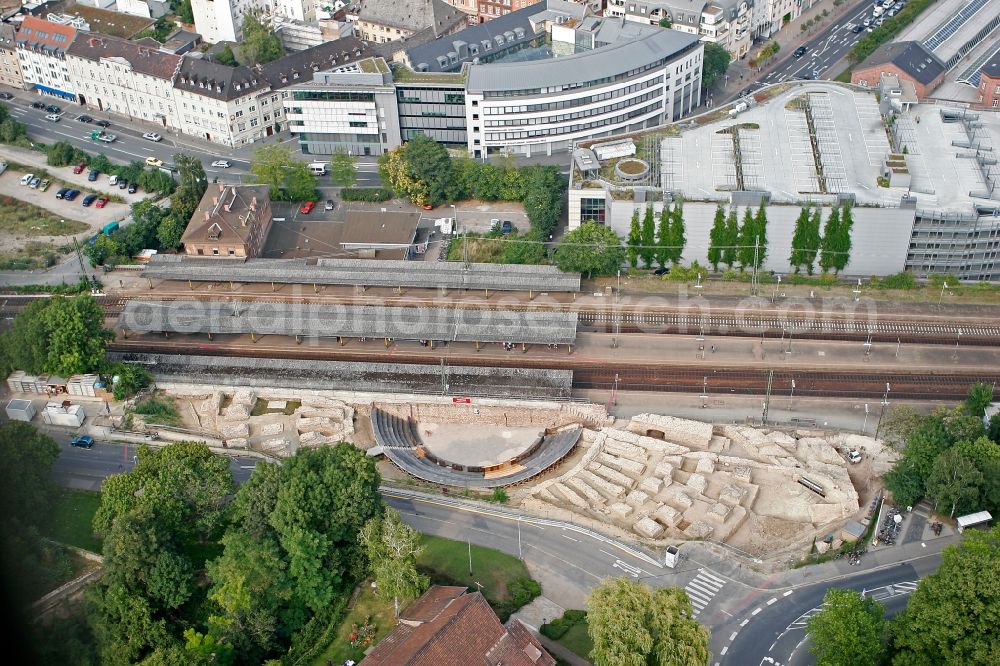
x,y
38,105
62,192
307,207
154,162
112,180
854,456
71,195
221,164
92,176
35,182
101,202
85,119
132,187
26,178
506,227
799,52
44,185
102,136
80,167
103,123
152,136
663,270
89,199
53,117
6,95
52,108
328,205
122,183
82,442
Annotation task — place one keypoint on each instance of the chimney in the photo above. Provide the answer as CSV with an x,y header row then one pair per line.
x,y
222,188
227,208
253,204
208,216
215,201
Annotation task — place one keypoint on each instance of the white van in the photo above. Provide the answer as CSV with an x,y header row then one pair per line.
x,y
113,180
318,168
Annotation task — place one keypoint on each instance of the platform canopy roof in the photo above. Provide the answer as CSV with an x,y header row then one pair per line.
x,y
352,321
366,272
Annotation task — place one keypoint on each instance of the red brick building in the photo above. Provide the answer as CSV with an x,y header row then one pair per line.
x,y
449,626
908,60
989,83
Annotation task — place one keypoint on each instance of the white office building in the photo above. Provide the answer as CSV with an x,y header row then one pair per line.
x,y
222,20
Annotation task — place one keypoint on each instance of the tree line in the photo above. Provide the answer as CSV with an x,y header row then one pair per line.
x,y
743,245
657,242
153,226
833,246
423,171
948,456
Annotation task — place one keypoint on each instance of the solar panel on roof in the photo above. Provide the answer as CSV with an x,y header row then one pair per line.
x,y
954,23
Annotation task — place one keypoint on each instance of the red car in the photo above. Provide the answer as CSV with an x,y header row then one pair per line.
x,y
307,207
101,202
80,167
428,207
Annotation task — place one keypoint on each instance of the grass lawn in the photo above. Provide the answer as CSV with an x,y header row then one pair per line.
x,y
366,606
25,219
447,562
159,410
72,514
578,640
31,255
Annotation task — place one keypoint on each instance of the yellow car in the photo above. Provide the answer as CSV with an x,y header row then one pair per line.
x,y
153,162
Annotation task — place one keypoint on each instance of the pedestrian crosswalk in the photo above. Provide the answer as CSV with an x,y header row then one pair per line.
x,y
702,589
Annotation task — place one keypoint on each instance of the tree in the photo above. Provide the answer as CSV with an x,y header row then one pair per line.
x,y
647,249
954,481
676,236
715,62
905,482
273,165
662,251
325,498
128,379
665,22
760,233
844,244
429,165
170,231
260,43
185,12
993,430
342,170
952,616
591,248
631,625
634,240
749,243
848,631
731,239
544,188
225,56
800,237
25,483
979,398
717,238
63,335
392,548
185,481
830,245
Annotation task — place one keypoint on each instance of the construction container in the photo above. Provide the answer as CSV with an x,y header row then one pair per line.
x,y
20,410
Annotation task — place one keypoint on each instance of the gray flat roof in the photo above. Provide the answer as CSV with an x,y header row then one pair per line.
x,y
367,272
518,383
352,321
593,65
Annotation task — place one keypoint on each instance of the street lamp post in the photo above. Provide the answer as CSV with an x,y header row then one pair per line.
x,y
864,428
941,297
791,395
885,403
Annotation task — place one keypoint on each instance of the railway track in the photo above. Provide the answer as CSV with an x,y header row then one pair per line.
x,y
639,377
971,332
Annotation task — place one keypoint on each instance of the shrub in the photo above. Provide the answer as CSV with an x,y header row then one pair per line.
x,y
366,194
555,629
63,153
902,280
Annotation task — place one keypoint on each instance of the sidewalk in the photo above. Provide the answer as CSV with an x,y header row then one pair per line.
x,y
790,36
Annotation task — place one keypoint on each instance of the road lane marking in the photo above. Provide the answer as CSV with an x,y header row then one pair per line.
x,y
564,536
756,610
773,599
786,593
733,637
745,622
725,649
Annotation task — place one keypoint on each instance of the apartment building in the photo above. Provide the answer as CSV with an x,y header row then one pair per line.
x,y
220,103
989,83
724,22
490,9
120,76
222,20
41,49
10,65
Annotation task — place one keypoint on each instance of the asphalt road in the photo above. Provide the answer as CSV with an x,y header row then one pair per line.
x,y
130,145
823,50
771,630
86,469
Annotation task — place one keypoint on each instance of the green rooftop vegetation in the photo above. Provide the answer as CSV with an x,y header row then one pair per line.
x,y
402,74
373,66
